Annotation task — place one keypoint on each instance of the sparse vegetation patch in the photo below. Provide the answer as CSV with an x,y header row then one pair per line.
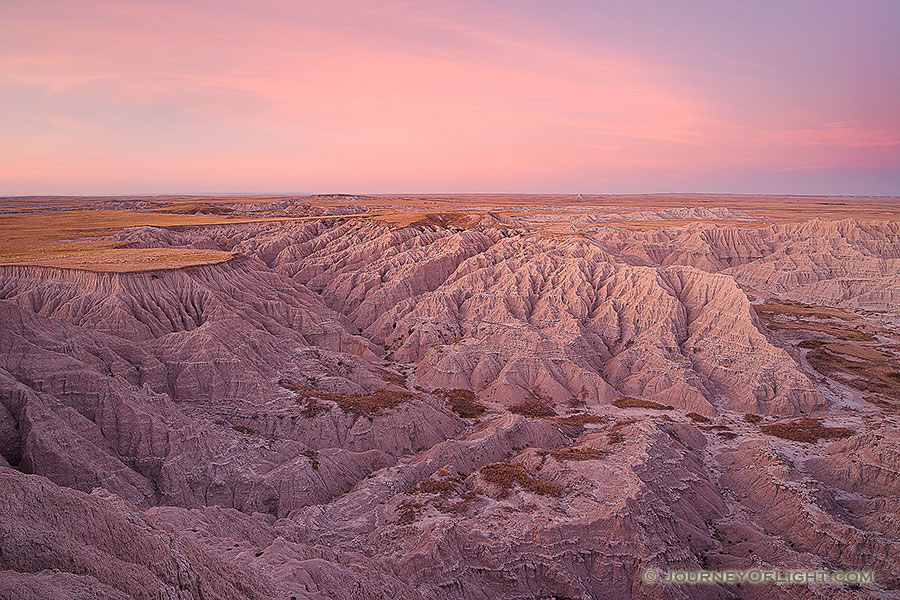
x,y
576,453
370,405
506,474
313,457
313,407
440,482
628,402
408,512
533,408
398,379
811,344
818,319
466,499
447,492
463,403
787,307
864,368
806,430
615,435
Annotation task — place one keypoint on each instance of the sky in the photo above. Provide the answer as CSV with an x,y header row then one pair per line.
x,y
418,96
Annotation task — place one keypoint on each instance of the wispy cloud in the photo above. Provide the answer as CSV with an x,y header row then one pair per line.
x,y
392,94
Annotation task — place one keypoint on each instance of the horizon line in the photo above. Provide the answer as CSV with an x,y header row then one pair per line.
x,y
431,194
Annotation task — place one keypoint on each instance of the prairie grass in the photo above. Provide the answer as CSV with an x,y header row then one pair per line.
x,y
369,405
463,403
576,453
628,402
806,430
505,475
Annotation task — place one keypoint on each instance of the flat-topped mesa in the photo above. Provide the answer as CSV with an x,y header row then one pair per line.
x,y
100,281
128,260
156,303
126,304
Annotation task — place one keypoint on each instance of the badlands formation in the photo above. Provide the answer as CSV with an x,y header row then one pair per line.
x,y
435,398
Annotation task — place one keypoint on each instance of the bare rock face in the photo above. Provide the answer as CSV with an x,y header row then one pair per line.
x,y
105,545
551,532
54,585
522,316
808,517
127,386
454,409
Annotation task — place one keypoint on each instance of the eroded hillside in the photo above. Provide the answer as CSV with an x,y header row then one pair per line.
x,y
454,406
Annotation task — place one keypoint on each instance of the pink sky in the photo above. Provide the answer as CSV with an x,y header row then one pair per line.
x,y
791,96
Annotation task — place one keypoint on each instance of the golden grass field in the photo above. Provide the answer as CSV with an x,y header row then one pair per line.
x,y
59,239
